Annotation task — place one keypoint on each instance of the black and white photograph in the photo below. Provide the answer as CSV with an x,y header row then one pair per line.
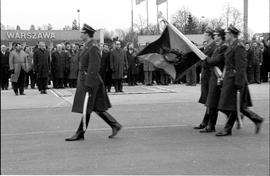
x,y
135,87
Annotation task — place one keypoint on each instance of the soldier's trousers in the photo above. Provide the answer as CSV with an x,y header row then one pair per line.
x,y
213,114
108,118
232,117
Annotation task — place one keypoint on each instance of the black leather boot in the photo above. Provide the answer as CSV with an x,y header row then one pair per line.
x,y
227,131
213,113
204,122
254,118
116,127
79,135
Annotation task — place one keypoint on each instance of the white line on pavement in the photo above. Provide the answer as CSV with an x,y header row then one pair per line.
x,y
104,129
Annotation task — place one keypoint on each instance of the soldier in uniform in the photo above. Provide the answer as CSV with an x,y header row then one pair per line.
x,y
215,62
236,79
89,80
206,73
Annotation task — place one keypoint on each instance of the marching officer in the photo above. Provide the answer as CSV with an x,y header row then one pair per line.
x,y
89,80
215,62
206,73
235,79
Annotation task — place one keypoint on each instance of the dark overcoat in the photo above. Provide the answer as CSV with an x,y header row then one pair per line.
x,y
206,73
41,60
235,64
118,63
104,65
217,60
132,63
58,64
74,66
89,65
5,65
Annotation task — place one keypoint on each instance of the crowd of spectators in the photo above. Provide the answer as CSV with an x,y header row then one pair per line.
x,y
41,66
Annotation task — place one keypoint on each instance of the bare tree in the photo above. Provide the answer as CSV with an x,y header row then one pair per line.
x,y
66,28
140,25
180,18
75,25
32,27
215,22
120,33
233,16
49,27
18,27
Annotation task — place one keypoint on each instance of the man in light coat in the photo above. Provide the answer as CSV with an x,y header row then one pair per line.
x,y
17,59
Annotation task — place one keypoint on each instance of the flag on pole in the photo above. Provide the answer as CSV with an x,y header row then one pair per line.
x,y
172,52
158,2
139,1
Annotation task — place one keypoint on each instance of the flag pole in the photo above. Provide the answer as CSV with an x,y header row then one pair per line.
x,y
157,20
132,16
147,12
167,10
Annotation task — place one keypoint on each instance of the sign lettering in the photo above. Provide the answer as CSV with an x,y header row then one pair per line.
x,y
30,35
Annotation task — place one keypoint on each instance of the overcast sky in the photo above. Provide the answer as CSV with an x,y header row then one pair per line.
x,y
112,14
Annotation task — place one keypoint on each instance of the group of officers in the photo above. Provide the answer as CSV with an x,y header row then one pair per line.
x,y
218,92
223,75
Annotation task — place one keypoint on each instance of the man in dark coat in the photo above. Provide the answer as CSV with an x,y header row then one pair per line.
x,y
73,66
105,69
89,80
68,54
132,65
41,60
257,62
235,79
118,63
4,67
215,62
206,74
250,59
59,66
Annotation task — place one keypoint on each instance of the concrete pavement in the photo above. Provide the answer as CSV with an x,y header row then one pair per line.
x,y
157,137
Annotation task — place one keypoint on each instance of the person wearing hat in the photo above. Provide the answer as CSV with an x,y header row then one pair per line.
x,y
206,73
215,62
89,80
235,79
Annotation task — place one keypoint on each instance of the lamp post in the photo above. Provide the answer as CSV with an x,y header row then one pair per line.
x,y
78,18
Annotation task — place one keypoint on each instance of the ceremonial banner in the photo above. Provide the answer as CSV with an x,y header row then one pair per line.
x,y
172,52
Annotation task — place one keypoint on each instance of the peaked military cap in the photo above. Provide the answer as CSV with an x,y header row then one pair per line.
x,y
233,30
219,31
88,29
209,31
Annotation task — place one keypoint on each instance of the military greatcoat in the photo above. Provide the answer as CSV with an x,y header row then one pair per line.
x,y
235,76
206,73
217,60
89,65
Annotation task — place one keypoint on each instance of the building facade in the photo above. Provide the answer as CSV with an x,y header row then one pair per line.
x,y
50,37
